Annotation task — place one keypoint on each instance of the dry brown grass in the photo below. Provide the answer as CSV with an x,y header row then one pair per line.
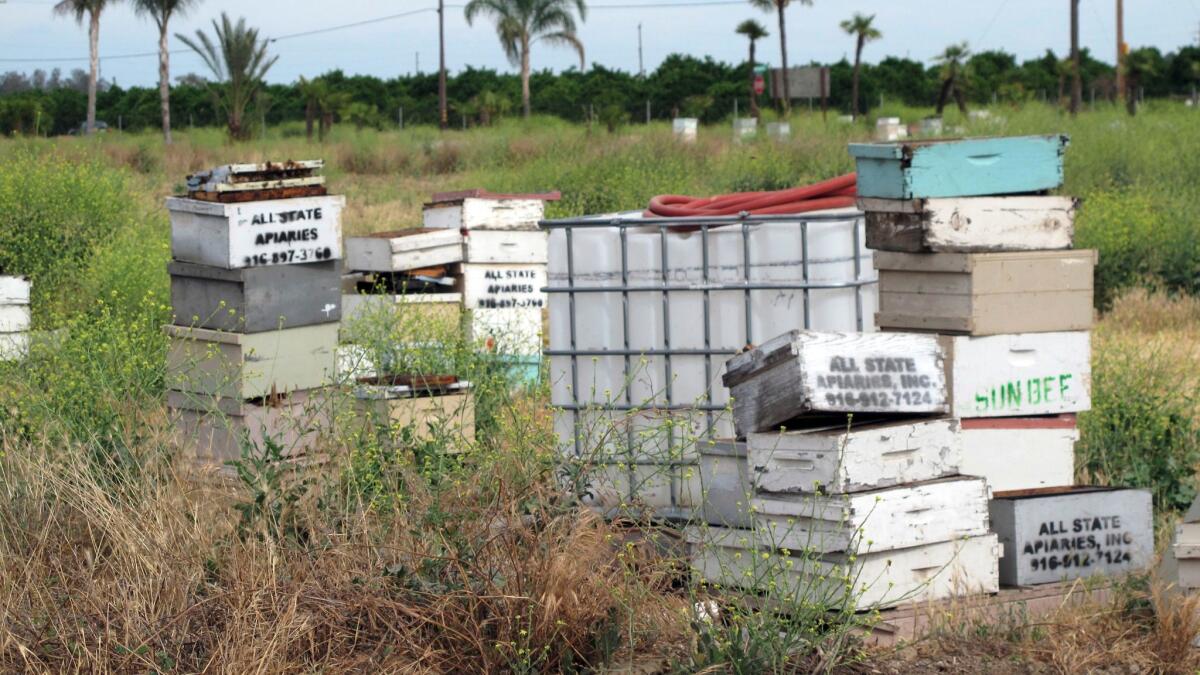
x,y
150,574
1132,631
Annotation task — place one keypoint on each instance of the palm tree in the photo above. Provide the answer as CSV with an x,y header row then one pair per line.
x,y
1139,66
520,23
239,61
1076,76
91,9
753,31
861,27
952,62
778,6
162,11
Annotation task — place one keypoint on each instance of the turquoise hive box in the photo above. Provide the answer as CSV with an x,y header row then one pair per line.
x,y
970,167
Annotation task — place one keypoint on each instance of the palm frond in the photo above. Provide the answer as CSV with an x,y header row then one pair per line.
x,y
566,39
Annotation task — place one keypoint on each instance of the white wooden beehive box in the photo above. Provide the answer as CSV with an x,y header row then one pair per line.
x,y
1020,453
255,234
736,558
876,520
857,457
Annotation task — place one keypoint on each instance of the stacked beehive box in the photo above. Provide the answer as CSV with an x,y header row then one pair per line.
x,y
1181,562
968,245
14,317
407,281
849,478
503,270
256,291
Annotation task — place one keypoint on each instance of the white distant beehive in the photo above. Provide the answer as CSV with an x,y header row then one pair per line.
x,y
14,317
685,128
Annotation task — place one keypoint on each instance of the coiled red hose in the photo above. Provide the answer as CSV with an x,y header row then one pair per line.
x,y
834,193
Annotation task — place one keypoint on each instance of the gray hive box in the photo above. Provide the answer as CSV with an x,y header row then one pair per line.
x,y
257,299
1057,534
726,481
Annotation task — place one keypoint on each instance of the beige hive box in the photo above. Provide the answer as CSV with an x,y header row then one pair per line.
x,y
985,293
251,365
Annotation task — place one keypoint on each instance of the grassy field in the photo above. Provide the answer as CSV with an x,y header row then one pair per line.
x,y
417,560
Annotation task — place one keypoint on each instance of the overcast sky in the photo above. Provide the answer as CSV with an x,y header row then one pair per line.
x,y
914,28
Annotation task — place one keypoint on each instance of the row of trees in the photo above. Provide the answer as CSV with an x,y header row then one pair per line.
x,y
238,60
681,84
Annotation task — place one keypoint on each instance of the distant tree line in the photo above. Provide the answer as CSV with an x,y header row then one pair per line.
x,y
51,103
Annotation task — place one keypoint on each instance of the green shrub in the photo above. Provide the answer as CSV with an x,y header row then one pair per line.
x,y
1142,430
53,213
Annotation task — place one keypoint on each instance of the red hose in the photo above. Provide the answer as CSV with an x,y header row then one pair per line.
x,y
834,193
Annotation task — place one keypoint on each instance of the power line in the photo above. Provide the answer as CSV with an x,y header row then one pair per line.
x,y
367,22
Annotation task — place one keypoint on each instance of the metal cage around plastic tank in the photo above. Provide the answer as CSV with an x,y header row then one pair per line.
x,y
644,312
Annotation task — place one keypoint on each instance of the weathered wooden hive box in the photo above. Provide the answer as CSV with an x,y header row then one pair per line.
x,y
255,299
413,308
959,168
427,412
986,293
250,365
875,520
1055,534
15,317
727,482
1019,374
1185,551
873,580
506,246
404,250
482,209
860,456
969,224
1020,453
807,373
256,234
215,430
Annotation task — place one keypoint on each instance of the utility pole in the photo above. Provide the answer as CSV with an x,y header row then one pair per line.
x,y
1120,50
1076,76
417,58
443,120
641,66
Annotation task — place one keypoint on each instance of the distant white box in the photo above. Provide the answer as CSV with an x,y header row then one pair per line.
x,y
14,318
14,290
1020,453
685,128
13,346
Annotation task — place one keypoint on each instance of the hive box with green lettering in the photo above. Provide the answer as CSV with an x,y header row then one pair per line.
x,y
1018,374
256,299
246,366
1057,534
970,167
985,293
256,234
